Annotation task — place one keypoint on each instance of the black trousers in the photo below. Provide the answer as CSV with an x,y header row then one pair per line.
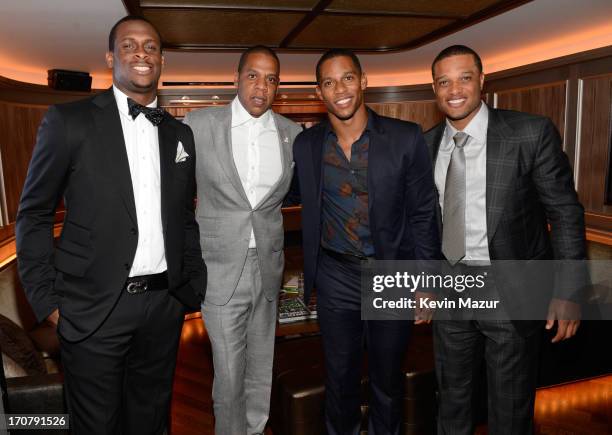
x,y
511,364
119,380
344,335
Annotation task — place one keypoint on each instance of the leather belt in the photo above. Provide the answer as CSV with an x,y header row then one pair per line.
x,y
146,283
345,257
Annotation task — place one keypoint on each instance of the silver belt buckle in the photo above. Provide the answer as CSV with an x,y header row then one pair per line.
x,y
137,287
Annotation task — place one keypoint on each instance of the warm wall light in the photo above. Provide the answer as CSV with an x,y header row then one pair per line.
x,y
579,41
22,72
37,74
568,44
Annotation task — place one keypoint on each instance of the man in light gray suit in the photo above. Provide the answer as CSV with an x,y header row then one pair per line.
x,y
244,169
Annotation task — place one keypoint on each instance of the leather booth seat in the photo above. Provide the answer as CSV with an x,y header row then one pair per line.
x,y
30,355
298,388
23,340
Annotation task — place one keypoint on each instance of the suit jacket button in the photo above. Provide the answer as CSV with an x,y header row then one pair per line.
x,y
133,231
127,266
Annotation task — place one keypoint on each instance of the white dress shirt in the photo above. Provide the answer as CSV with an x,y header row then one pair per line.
x,y
476,242
257,153
142,146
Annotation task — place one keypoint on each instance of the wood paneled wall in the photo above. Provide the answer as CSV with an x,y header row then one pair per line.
x,y
594,145
574,91
298,111
18,127
425,113
22,107
547,100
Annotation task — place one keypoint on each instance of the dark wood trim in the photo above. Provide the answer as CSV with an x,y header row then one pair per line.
x,y
459,22
287,11
596,67
328,11
557,62
220,8
528,80
166,96
212,84
598,236
388,94
292,218
304,22
14,91
203,48
599,62
571,115
598,221
8,246
384,14
608,189
392,94
568,69
7,233
133,7
225,48
458,25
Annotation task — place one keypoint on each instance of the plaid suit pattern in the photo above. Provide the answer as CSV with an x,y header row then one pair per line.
x,y
529,186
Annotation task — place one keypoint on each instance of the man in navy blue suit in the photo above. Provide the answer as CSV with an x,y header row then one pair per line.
x,y
367,192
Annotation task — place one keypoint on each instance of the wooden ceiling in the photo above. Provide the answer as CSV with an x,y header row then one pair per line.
x,y
312,25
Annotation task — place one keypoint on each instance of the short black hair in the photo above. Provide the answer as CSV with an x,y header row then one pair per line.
x,y
257,49
113,32
337,52
456,50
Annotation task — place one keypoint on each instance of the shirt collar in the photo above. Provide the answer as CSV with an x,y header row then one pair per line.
x,y
240,116
369,127
122,104
477,127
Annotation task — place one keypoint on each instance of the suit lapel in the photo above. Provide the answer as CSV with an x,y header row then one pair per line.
x,y
108,128
317,158
168,143
501,163
222,138
434,147
377,137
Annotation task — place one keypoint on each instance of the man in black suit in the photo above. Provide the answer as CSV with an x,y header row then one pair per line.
x,y
502,178
129,250
367,192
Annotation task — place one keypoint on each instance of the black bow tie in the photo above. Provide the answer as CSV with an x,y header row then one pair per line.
x,y
156,116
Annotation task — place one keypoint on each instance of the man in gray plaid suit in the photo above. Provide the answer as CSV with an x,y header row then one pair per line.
x,y
502,178
244,170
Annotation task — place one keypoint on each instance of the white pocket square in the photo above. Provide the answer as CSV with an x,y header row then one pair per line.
x,y
181,154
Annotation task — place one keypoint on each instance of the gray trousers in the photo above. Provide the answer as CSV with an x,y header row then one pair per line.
x,y
242,337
